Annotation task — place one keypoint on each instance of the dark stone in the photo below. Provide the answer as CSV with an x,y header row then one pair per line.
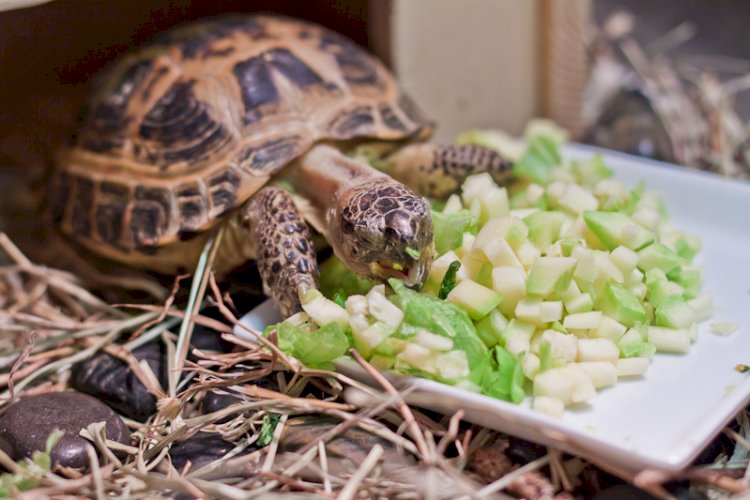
x,y
207,340
682,491
215,401
346,450
26,425
200,449
522,452
623,492
110,380
721,444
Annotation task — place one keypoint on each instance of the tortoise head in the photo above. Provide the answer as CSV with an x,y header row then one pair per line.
x,y
381,229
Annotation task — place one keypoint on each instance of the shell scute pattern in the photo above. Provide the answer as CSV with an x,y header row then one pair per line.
x,y
191,126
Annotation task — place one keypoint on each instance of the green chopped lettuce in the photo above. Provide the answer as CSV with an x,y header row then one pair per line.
x,y
313,348
413,253
501,376
450,228
540,160
439,317
335,278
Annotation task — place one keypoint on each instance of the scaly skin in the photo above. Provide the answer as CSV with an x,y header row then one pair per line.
x,y
283,247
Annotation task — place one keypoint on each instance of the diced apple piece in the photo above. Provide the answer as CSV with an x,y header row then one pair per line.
x,y
419,357
517,336
356,304
639,290
634,278
475,186
548,405
494,203
550,310
384,310
550,274
432,341
674,340
563,346
581,304
498,252
632,367
452,365
583,321
601,373
475,299
527,253
453,205
510,283
368,339
511,229
358,322
608,268
609,329
529,310
586,268
322,310
530,364
647,217
554,383
381,363
597,349
577,200
440,266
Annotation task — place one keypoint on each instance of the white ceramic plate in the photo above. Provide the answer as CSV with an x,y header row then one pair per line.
x,y
664,419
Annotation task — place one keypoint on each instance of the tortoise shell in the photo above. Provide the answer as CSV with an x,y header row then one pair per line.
x,y
187,128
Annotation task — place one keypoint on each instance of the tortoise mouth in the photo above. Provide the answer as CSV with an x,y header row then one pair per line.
x,y
413,276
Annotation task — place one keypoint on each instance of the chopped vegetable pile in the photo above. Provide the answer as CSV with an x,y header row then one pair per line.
x,y
553,287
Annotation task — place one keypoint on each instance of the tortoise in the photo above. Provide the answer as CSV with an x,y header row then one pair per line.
x,y
190,132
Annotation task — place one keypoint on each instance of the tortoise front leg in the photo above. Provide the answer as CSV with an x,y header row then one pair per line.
x,y
436,171
283,247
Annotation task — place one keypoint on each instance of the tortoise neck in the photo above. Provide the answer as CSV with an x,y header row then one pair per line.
x,y
325,171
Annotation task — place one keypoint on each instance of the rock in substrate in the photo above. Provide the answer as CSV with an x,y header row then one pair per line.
x,y
110,380
200,449
26,425
623,492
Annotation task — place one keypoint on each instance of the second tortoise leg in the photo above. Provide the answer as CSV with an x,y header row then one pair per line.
x,y
437,171
283,247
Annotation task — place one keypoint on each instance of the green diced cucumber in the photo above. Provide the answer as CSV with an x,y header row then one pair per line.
x,y
368,339
477,300
615,228
635,344
621,305
658,256
490,328
674,312
544,227
550,274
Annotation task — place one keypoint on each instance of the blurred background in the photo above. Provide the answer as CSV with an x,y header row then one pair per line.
x,y
666,80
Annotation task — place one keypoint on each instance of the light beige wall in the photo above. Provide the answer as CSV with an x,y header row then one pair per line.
x,y
467,63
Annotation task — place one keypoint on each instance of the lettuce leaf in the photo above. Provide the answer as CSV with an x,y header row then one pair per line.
x,y
337,279
539,161
439,317
450,228
313,348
